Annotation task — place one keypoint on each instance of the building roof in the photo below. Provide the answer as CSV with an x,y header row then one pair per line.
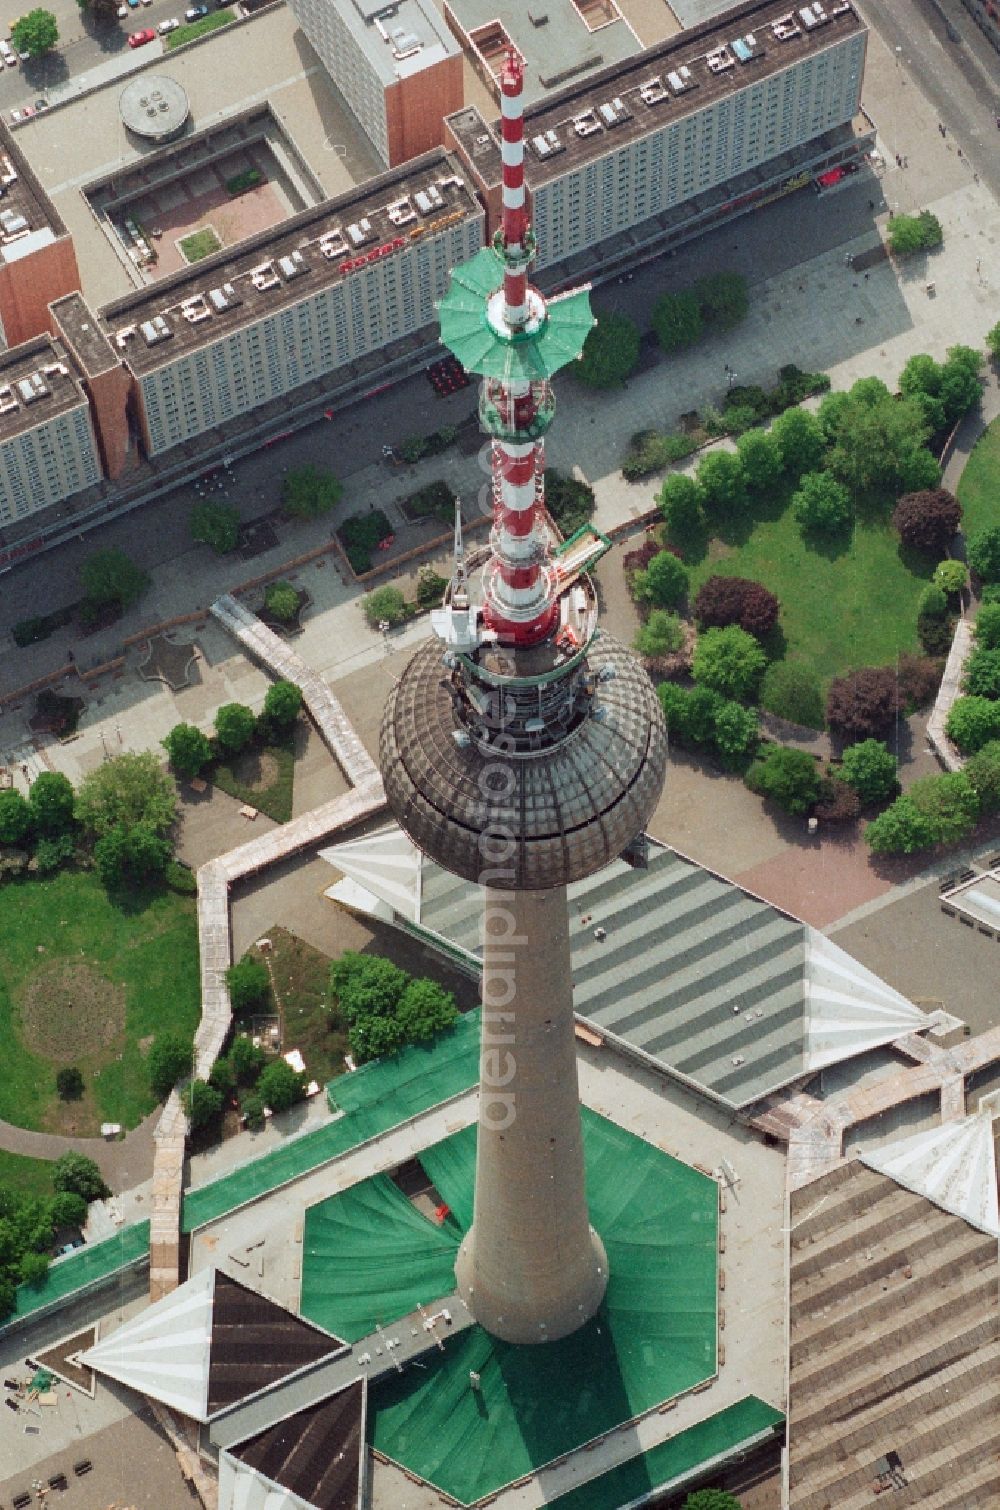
x,y
82,332
313,1458
325,244
38,381
553,37
685,968
28,218
645,93
952,1165
208,1344
154,106
398,39
894,1347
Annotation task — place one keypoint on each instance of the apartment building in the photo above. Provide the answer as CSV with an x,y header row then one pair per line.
x,y
37,257
694,128
48,450
397,66
336,283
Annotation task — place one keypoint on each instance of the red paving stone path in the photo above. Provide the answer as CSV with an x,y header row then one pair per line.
x,y
822,879
231,219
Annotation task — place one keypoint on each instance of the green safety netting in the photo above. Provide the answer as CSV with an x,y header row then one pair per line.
x,y
654,1336
88,1265
721,1434
376,1097
467,333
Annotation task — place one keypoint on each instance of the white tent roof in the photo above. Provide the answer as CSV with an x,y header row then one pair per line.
x,y
385,864
848,1008
243,1488
953,1165
165,1350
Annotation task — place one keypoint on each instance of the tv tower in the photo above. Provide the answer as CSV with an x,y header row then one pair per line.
x,y
523,750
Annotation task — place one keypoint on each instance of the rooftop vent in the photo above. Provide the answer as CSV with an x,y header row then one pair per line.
x,y
680,79
293,266
401,211
653,91
264,276
333,244
8,402
360,232
196,309
612,112
785,27
744,48
155,330
719,60
125,335
587,123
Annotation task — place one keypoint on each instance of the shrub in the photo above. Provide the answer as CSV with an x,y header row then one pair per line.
x,y
235,725
918,678
986,629
569,500
821,505
973,722
248,178
801,443
837,802
180,879
434,500
51,800
982,673
309,492
870,769
384,605
993,340
247,1059
681,505
662,634
989,592
281,601
722,483
983,772
188,750
78,1174
735,734
282,703
983,551
736,600
949,803
729,661
249,984
280,1087
909,234
610,352
927,521
663,583
901,830
170,1059
360,534
649,451
786,776
215,524
425,1008
722,299
128,789
690,713
124,856
950,576
934,635
863,703
933,602
69,1083
676,318
15,817
202,1103
711,1499
431,587
68,1209
790,690
110,578
252,1107
52,854
222,1076
761,459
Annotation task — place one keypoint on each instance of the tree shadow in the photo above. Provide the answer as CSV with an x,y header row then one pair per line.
x,y
830,546
774,643
917,562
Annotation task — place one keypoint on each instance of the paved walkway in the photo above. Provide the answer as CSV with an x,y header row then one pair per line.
x,y
124,1162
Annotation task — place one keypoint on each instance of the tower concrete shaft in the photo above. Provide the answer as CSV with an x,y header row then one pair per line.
x,y
531,1268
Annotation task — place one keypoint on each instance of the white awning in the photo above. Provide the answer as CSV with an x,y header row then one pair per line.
x,y
953,1165
243,1488
385,864
165,1351
848,1008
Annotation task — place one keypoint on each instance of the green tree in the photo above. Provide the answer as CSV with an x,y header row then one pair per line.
x,y
799,437
170,1059
690,713
280,1087
821,505
790,689
993,341
932,603
281,600
973,722
79,1174
367,984
723,485
35,33
215,524
125,854
914,233
870,768
610,352
735,733
425,1008
983,771
729,661
386,605
68,1209
983,552
188,749
950,804
786,776
222,1076
676,318
69,1083
722,299
110,578
247,1059
901,830
15,817
661,634
249,984
252,1107
761,459
202,1103
308,492
569,500
51,801
987,626
101,10
127,790
283,703
961,383
982,673
235,726
711,1499
951,577
664,581
33,1267
876,440
681,505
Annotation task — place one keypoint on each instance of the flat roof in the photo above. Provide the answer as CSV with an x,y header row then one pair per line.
x,y
84,335
27,218
553,37
317,1454
37,382
647,92
278,266
398,37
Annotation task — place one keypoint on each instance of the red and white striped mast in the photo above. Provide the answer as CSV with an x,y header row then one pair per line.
x,y
519,605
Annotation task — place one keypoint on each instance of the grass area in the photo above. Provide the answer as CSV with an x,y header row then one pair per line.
x,y
25,1176
198,28
263,778
145,950
979,488
843,606
301,976
201,243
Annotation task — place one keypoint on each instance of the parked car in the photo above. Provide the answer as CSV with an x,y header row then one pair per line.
x,y
195,12
41,104
140,38
27,111
171,24
8,54
122,12
15,116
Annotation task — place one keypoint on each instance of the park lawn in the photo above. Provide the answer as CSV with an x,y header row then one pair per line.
x,y
148,950
858,608
263,778
200,244
25,1176
979,485
198,28
312,1024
